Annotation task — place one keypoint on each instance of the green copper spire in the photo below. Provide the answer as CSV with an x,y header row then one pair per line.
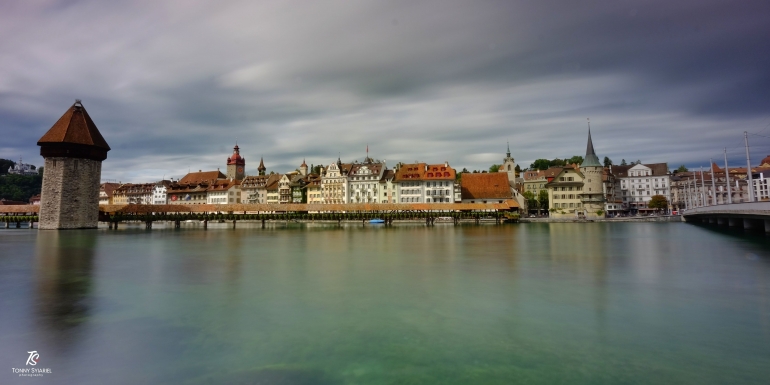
x,y
590,160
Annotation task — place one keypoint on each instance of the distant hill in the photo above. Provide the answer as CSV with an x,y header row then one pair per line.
x,y
20,187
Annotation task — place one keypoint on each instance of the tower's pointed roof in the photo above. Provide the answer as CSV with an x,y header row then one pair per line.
x,y
74,135
303,163
590,160
75,127
261,165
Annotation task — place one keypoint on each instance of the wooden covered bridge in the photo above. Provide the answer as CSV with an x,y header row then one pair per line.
x,y
114,214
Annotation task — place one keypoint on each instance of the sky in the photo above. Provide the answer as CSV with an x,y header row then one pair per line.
x,y
173,85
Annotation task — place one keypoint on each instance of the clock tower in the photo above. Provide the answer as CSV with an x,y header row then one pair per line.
x,y
236,165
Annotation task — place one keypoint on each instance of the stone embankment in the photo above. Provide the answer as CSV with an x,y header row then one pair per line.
x,y
661,218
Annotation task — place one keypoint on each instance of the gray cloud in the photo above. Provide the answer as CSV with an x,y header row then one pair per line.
x,y
172,85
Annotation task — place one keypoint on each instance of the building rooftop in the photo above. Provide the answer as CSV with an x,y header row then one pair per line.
x,y
74,135
492,185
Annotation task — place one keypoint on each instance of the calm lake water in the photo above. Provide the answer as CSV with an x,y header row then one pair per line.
x,y
619,303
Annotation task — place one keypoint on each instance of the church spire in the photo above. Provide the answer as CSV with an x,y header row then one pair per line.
x,y
590,160
261,167
508,154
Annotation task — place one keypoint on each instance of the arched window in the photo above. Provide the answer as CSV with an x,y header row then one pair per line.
x,y
509,167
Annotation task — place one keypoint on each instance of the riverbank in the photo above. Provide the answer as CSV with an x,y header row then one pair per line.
x,y
662,218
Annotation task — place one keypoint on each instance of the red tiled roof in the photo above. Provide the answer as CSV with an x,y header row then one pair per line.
x,y
422,171
75,127
485,186
202,176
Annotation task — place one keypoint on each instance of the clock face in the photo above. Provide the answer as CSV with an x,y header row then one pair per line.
x,y
240,169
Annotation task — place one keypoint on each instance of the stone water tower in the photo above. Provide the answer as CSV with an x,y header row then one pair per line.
x,y
73,150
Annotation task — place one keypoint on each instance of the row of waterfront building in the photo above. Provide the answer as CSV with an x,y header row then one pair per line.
x,y
586,190
367,181
74,149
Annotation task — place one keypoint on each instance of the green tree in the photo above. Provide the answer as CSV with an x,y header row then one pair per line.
x,y
20,187
557,162
542,200
658,202
681,168
540,164
494,168
607,162
531,201
316,169
40,170
623,162
518,170
5,164
575,159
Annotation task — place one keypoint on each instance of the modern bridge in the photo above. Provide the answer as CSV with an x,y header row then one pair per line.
x,y
748,215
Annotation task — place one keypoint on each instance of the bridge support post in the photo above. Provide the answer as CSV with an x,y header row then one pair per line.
x,y
767,226
233,223
18,225
116,225
205,224
109,224
721,221
176,224
748,224
733,222
148,225
712,220
7,225
263,223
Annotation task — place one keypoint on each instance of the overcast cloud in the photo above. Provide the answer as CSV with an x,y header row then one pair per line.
x,y
172,85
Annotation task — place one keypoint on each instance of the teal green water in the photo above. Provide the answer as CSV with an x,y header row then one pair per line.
x,y
620,303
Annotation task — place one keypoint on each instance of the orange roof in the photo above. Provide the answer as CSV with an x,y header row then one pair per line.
x,y
202,176
422,171
75,127
493,185
414,171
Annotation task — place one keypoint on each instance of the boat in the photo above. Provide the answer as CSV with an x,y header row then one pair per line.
x,y
376,220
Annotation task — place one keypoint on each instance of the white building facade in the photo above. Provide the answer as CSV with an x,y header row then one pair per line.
x,y
640,182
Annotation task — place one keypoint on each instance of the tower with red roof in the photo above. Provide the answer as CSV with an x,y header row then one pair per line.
x,y
236,165
73,150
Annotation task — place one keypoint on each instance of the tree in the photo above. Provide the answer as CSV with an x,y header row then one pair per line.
x,y
494,168
316,169
607,162
5,164
20,187
40,170
658,202
623,162
540,164
638,161
531,201
577,159
465,170
557,163
518,170
542,200
681,168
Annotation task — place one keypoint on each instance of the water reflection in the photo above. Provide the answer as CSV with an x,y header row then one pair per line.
x,y
64,265
316,303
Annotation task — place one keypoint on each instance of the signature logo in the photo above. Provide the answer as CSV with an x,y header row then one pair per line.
x,y
33,358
